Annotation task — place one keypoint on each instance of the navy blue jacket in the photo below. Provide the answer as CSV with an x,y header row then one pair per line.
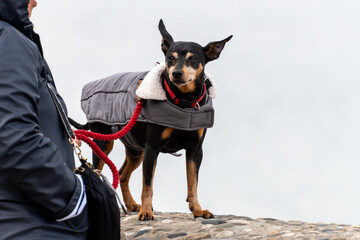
x,y
37,183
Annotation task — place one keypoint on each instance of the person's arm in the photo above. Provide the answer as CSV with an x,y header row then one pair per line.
x,y
28,159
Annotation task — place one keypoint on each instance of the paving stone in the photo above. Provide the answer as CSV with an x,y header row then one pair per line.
x,y
224,234
177,235
197,236
296,223
322,225
141,233
129,233
146,228
274,228
290,234
207,226
213,221
269,219
167,221
239,221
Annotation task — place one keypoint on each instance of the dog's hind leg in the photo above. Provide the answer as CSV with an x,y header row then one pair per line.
x,y
106,147
132,161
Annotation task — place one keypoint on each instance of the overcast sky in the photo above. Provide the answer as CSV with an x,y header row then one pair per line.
x,y
286,138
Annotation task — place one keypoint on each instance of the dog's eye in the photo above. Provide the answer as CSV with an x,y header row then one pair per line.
x,y
191,59
170,58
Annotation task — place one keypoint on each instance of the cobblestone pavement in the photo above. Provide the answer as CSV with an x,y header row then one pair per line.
x,y
184,226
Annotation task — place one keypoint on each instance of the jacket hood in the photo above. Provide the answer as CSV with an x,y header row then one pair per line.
x,y
16,14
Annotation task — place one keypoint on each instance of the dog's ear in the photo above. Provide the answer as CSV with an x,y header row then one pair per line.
x,y
212,50
167,40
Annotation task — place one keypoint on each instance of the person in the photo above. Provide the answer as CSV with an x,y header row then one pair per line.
x,y
40,196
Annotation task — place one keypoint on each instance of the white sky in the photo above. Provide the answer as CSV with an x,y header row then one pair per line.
x,y
286,138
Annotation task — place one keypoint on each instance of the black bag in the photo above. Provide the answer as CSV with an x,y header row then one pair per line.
x,y
104,213
103,210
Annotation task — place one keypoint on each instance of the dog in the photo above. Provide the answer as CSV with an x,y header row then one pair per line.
x,y
184,82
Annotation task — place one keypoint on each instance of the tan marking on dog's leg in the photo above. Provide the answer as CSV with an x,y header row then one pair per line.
x,y
146,212
201,132
130,164
166,133
192,198
108,148
100,165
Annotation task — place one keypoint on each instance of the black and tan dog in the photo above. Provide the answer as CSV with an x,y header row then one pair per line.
x,y
184,83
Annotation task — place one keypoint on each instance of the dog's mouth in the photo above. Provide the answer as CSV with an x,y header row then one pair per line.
x,y
179,82
185,87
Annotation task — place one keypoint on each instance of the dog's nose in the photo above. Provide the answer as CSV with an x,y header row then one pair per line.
x,y
177,74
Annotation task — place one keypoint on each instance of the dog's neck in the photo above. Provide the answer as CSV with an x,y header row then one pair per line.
x,y
190,91
152,86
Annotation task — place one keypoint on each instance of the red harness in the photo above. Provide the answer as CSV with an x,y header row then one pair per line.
x,y
179,101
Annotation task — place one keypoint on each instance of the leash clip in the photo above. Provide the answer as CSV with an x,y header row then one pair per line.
x,y
73,141
77,149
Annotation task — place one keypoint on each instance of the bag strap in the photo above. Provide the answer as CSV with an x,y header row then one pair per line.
x,y
69,132
59,108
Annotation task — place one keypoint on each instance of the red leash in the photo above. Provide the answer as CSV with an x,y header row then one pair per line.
x,y
86,135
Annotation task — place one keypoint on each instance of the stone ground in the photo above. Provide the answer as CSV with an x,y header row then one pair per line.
x,y
184,226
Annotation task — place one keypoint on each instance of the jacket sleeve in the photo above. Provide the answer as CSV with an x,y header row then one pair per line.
x,y
28,159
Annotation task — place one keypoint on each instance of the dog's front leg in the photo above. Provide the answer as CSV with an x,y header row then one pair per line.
x,y
193,162
149,165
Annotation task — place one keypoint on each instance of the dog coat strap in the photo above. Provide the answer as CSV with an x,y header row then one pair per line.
x,y
208,84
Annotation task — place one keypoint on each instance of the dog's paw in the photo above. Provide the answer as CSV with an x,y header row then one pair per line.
x,y
203,213
133,207
146,215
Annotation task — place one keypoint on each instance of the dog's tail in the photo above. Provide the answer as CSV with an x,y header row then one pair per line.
x,y
78,125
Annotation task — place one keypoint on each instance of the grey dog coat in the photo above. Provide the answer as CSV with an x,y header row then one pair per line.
x,y
112,101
